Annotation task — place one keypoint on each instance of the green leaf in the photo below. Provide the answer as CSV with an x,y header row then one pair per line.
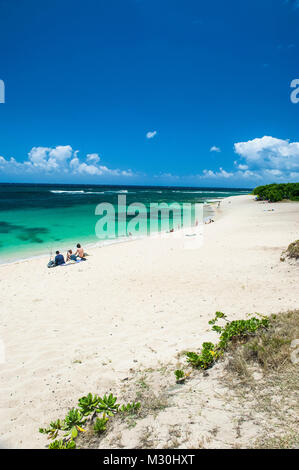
x,y
74,432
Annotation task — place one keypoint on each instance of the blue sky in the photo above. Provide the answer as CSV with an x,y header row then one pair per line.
x,y
162,92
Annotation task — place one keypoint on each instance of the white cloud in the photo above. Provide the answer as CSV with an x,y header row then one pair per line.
x,y
74,163
216,174
274,172
269,152
215,149
150,135
266,159
243,167
127,172
93,157
59,160
61,153
49,159
83,168
38,156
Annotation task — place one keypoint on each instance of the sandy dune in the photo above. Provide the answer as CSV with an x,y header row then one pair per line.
x,y
72,330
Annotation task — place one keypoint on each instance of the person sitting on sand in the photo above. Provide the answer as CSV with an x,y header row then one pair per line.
x,y
80,251
70,256
59,259
209,221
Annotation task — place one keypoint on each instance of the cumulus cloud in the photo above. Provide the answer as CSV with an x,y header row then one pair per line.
x,y
59,160
221,173
269,152
45,158
243,167
93,157
151,134
266,159
215,149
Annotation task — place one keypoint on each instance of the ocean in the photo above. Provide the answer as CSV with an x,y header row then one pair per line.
x,y
38,219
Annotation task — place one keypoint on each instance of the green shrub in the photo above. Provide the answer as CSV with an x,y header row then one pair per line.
x,y
108,405
100,424
77,417
277,192
130,407
237,329
61,444
52,431
205,359
293,250
180,375
88,404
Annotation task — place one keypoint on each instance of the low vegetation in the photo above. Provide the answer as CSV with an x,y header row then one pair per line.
x,y
257,360
232,331
100,410
277,192
180,375
291,253
263,373
293,250
270,348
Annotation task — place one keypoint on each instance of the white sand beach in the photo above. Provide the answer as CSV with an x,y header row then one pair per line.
x,y
77,329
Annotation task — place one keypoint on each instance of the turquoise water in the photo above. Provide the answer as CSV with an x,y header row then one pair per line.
x,y
39,219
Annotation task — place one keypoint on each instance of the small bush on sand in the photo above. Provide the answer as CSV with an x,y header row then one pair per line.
x,y
236,330
100,424
89,406
263,373
270,349
180,375
62,444
293,250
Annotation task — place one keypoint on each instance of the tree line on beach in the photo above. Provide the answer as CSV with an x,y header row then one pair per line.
x,y
277,192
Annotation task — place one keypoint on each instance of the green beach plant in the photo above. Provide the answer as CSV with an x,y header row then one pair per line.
x,y
293,250
233,330
73,422
76,418
108,405
100,424
62,444
180,375
205,359
130,407
88,404
52,431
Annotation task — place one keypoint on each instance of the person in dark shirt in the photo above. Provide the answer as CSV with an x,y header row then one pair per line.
x,y
59,259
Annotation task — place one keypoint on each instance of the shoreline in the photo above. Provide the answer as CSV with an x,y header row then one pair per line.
x,y
68,332
104,243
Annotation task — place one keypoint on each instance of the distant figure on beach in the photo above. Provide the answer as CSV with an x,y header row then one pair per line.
x,y
80,251
59,259
70,256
